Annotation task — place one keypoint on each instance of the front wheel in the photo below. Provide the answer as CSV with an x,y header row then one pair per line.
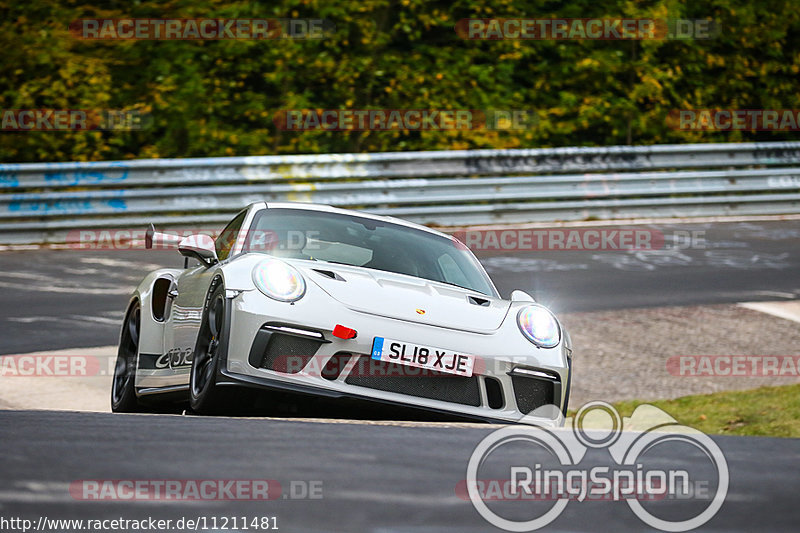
x,y
123,386
205,397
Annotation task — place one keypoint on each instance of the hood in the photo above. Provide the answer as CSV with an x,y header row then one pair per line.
x,y
406,298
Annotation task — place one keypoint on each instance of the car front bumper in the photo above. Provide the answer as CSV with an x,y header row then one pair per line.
x,y
291,347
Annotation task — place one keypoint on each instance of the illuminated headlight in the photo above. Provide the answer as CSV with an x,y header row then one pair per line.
x,y
279,280
539,326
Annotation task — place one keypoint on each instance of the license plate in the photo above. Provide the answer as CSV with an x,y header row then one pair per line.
x,y
420,356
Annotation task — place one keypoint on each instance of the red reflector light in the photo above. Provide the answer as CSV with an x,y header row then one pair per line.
x,y
343,332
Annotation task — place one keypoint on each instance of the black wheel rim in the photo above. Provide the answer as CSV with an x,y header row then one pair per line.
x,y
208,347
125,367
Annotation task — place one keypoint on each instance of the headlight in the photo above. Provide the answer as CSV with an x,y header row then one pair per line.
x,y
539,326
279,280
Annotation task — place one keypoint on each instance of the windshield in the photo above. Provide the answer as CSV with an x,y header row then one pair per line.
x,y
364,242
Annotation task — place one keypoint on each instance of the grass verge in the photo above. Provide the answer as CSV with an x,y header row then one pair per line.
x,y
765,412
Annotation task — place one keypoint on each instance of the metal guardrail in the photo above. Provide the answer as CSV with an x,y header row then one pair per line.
x,y
42,202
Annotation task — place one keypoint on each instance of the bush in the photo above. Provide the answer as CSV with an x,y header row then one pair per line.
x,y
218,98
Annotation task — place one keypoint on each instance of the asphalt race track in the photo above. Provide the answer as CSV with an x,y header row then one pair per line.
x,y
78,297
371,476
375,478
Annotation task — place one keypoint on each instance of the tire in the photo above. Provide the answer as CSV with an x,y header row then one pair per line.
x,y
123,385
205,397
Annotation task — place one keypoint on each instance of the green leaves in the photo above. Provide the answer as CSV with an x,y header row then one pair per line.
x,y
218,98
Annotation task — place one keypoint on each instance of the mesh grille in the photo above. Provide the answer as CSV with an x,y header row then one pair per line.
x,y
391,377
532,393
288,353
333,368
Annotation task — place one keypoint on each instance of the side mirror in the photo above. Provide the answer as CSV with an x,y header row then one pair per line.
x,y
200,247
521,296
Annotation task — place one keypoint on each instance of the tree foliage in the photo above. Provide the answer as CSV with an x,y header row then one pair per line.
x,y
218,98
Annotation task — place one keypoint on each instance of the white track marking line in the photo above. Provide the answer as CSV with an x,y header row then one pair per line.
x,y
97,319
60,393
72,290
109,262
620,222
32,319
81,319
788,310
777,294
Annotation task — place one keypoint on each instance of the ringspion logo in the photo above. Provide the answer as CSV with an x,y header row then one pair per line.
x,y
520,478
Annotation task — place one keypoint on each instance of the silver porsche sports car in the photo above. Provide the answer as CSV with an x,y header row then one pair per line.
x,y
314,300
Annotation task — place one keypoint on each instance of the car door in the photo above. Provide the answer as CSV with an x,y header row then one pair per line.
x,y
192,287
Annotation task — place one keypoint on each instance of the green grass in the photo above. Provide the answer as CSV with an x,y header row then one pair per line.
x,y
766,411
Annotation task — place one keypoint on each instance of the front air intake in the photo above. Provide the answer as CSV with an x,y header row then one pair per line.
x,y
532,393
391,377
284,349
